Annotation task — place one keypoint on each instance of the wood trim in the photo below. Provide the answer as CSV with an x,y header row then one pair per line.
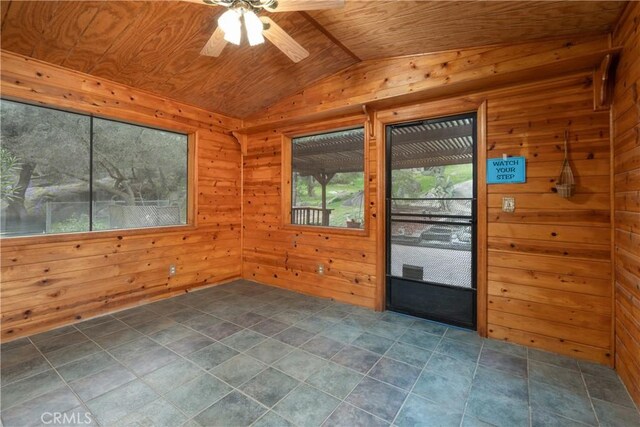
x,y
330,125
192,179
612,189
435,109
625,139
339,231
11,95
243,153
285,189
241,138
438,108
192,211
7,242
482,221
381,214
620,22
603,82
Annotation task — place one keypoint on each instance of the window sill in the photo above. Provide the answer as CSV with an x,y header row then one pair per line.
x,y
340,231
89,235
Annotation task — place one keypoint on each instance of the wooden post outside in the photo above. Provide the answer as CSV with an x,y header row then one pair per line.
x,y
323,179
47,226
324,202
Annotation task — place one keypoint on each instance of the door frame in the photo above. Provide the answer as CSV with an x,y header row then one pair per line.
x,y
441,288
435,109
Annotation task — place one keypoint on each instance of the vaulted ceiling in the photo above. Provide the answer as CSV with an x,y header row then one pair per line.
x,y
155,45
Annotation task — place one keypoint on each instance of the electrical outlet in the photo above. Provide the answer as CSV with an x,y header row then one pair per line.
x,y
172,270
320,268
508,204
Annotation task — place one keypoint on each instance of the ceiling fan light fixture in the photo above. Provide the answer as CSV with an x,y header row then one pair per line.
x,y
230,24
254,28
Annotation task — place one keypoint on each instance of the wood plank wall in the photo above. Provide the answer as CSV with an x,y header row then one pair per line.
x,y
549,263
289,258
385,83
626,142
50,281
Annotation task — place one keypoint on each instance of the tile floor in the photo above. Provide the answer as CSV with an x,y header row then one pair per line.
x,y
247,354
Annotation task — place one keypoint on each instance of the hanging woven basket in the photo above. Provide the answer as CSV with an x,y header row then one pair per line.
x,y
565,186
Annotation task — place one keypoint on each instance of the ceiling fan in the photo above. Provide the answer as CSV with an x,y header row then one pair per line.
x,y
239,12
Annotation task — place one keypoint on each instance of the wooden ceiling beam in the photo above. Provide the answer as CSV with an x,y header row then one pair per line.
x,y
396,81
330,36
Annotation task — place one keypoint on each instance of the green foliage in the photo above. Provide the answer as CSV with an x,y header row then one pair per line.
x,y
78,222
459,173
30,132
346,178
444,187
129,161
139,162
9,170
418,182
341,191
407,183
75,223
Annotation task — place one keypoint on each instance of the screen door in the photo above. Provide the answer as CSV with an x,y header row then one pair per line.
x,y
431,219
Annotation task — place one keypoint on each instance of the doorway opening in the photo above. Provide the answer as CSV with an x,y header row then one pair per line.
x,y
431,219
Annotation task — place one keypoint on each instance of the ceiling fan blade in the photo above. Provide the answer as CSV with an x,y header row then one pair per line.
x,y
298,5
215,44
284,41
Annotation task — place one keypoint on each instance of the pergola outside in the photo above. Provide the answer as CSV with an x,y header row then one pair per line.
x,y
419,145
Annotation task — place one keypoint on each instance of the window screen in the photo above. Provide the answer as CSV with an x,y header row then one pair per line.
x,y
328,179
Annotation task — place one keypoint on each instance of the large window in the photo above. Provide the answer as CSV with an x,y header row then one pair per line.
x,y
64,172
328,182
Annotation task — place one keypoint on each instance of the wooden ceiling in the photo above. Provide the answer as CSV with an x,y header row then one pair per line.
x,y
379,29
155,45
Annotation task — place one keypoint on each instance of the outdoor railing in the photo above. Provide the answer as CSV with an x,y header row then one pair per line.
x,y
310,216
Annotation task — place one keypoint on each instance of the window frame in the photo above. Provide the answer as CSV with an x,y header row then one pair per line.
x,y
287,178
192,202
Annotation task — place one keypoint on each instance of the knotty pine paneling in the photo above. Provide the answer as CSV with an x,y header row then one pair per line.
x,y
55,280
626,145
386,83
288,258
548,272
549,263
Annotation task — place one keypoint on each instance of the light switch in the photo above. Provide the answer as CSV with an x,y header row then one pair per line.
x,y
508,204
